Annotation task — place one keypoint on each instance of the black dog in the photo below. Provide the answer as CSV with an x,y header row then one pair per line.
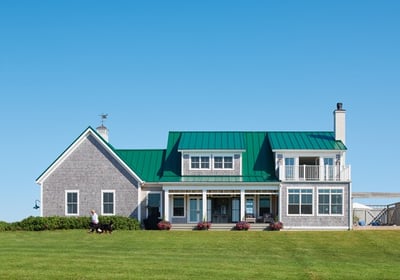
x,y
105,228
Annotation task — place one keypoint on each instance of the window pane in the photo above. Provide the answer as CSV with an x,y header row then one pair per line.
x,y
228,162
264,206
153,204
217,162
205,162
179,206
72,203
293,209
249,206
108,202
108,197
306,209
153,200
195,162
289,161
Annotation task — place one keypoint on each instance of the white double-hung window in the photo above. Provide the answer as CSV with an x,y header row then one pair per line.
x,y
330,201
300,201
71,202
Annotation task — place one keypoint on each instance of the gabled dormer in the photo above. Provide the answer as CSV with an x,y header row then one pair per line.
x,y
211,153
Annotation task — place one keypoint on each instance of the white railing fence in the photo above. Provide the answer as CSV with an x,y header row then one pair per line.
x,y
314,173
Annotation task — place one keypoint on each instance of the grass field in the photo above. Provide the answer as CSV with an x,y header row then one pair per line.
x,y
76,254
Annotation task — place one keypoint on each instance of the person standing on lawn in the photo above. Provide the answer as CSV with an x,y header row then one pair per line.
x,y
94,220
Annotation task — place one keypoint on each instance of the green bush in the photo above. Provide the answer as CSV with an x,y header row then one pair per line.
x,y
61,223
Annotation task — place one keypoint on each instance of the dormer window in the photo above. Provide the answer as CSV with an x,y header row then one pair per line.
x,y
221,162
199,162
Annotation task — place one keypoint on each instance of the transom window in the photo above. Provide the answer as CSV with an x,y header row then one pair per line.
x,y
221,162
108,202
72,202
330,201
200,162
300,202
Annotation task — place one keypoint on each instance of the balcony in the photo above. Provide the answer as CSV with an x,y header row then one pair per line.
x,y
327,173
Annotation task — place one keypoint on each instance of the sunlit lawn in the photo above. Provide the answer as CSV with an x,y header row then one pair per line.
x,y
76,254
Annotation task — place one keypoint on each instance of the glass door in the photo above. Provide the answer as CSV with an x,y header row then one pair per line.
x,y
195,209
235,210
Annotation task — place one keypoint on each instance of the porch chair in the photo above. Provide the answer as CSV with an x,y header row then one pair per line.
x,y
268,218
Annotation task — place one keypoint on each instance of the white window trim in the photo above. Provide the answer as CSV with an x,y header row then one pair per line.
x,y
223,161
330,202
210,162
102,202
312,199
184,206
66,202
161,203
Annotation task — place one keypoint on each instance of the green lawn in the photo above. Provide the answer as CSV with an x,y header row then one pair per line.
x,y
76,254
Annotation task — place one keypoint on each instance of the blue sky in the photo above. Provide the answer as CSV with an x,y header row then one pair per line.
x,y
157,66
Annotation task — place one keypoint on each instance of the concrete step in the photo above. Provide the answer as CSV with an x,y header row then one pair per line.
x,y
221,227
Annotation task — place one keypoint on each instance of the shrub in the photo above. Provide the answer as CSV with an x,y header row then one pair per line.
x,y
59,223
204,225
164,225
276,226
243,225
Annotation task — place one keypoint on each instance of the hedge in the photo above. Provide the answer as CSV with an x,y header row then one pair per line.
x,y
59,223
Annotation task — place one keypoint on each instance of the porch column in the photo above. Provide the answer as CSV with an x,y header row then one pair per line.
x,y
166,205
322,169
242,205
204,200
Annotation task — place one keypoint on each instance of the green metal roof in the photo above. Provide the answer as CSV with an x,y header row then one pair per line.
x,y
146,164
257,159
256,149
217,140
312,140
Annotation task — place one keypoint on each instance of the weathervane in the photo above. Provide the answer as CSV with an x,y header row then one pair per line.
x,y
103,118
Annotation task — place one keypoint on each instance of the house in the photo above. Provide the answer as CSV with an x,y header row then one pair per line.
x,y
298,177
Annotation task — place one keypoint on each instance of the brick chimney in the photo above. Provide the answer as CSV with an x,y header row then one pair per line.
x,y
340,123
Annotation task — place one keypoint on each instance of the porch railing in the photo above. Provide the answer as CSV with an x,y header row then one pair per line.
x,y
314,173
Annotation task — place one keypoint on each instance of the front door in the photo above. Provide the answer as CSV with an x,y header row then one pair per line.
x,y
195,209
235,210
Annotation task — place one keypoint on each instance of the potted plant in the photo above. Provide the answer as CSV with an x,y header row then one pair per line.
x,y
203,225
243,225
276,226
164,225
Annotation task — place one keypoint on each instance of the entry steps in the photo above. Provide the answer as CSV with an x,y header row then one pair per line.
x,y
221,227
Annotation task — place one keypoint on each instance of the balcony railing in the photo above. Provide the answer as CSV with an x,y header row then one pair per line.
x,y
314,173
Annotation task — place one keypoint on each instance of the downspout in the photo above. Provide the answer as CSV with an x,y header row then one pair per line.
x,y
41,200
139,202
350,207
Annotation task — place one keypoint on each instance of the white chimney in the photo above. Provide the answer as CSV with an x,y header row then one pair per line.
x,y
340,123
103,131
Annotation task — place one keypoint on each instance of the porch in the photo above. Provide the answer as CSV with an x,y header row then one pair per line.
x,y
222,206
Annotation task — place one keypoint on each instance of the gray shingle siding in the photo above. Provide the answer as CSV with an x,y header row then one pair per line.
x,y
89,169
315,220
